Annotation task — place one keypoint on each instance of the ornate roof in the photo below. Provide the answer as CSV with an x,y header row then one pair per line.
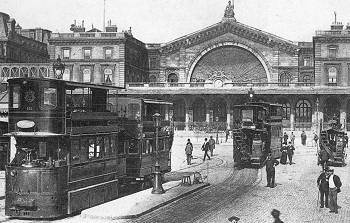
x,y
230,25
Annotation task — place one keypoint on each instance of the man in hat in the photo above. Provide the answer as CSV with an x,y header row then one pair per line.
x,y
290,152
270,162
276,215
334,189
323,187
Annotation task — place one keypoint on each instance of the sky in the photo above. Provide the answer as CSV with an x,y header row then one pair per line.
x,y
161,21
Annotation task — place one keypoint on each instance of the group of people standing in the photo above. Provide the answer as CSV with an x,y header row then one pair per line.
x,y
207,146
287,149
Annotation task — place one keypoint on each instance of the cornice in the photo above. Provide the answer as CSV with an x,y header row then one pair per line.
x,y
332,39
330,60
81,41
236,28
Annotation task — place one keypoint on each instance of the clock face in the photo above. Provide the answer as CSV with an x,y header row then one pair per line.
x,y
29,96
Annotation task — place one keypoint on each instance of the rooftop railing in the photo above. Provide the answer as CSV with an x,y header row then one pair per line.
x,y
333,33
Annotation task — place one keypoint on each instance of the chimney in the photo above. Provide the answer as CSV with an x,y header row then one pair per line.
x,y
347,26
4,18
18,29
110,27
11,24
82,24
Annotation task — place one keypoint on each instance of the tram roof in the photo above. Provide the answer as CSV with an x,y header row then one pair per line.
x,y
69,84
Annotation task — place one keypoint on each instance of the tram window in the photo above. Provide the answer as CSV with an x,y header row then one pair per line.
x,y
91,144
113,141
145,146
133,147
99,147
48,98
75,150
107,145
166,143
161,145
247,115
16,97
121,147
42,149
151,145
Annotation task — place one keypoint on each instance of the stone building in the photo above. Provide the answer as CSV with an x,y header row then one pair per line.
x,y
207,72
16,48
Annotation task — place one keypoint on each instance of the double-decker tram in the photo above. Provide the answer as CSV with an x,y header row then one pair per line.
x,y
64,152
141,151
257,130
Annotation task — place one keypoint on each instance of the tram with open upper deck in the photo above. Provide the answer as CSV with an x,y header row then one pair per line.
x,y
71,148
257,130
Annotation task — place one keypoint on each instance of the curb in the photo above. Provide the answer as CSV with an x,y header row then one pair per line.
x,y
151,209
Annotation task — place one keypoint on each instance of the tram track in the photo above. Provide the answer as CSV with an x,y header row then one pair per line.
x,y
202,204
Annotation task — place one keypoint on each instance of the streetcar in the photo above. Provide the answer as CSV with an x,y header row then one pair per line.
x,y
142,154
333,140
257,131
70,147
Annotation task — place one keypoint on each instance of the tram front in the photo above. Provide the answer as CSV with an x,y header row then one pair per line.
x,y
36,184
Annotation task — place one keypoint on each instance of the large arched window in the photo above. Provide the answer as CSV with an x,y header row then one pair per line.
x,y
179,110
303,111
286,108
332,108
199,110
284,79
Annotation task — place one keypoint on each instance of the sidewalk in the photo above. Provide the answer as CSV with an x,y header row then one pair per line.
x,y
140,203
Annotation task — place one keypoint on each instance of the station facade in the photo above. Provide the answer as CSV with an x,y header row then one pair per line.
x,y
207,72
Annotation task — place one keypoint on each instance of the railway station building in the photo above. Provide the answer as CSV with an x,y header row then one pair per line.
x,y
205,73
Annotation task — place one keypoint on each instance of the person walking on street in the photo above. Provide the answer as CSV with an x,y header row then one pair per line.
x,y
227,132
315,139
285,138
205,148
270,162
323,187
290,152
334,189
323,158
188,151
292,138
211,145
303,138
276,215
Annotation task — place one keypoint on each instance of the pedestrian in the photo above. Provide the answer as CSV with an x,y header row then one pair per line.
x,y
270,162
276,215
323,187
315,138
292,138
323,157
211,145
290,152
334,189
188,151
205,148
283,159
285,138
303,138
227,134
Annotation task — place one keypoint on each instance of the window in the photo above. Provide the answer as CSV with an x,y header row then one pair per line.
x,y
87,75
303,111
133,147
152,78
108,75
66,74
16,97
332,75
307,61
107,145
285,79
91,143
332,52
87,54
108,53
66,54
48,98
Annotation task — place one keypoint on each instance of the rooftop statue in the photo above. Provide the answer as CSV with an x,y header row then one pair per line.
x,y
229,11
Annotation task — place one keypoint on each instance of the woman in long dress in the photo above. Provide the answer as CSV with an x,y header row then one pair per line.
x,y
283,159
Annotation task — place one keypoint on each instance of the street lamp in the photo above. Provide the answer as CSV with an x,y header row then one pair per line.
x,y
251,94
217,129
157,175
317,122
58,68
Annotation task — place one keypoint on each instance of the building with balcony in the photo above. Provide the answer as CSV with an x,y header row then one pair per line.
x,y
207,72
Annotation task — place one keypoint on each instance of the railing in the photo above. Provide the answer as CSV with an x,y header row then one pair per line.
x,y
212,85
88,35
333,33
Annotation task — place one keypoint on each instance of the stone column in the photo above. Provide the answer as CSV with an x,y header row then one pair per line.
x,y
187,118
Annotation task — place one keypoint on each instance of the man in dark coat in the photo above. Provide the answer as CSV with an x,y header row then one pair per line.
x,y
334,189
205,148
303,138
276,215
188,151
211,145
323,187
323,158
290,152
285,138
270,162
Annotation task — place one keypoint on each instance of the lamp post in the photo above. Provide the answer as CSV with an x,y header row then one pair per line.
x,y
58,68
217,130
251,94
317,122
157,175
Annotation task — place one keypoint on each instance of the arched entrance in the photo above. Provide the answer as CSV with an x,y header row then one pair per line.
x,y
331,109
303,114
179,116
219,110
286,108
199,110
